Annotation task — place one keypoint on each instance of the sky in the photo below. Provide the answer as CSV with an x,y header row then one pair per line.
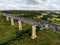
x,y
29,4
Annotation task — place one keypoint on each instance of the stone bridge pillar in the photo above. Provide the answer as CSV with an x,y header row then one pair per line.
x,y
12,21
34,32
7,18
20,24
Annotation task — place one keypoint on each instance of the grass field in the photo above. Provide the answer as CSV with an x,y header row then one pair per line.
x,y
13,36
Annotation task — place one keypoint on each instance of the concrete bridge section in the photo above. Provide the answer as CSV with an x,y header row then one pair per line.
x,y
32,22
25,20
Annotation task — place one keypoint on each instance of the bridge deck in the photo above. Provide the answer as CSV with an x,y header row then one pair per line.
x,y
25,20
29,21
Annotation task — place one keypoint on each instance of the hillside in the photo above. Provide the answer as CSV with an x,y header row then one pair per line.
x,y
10,35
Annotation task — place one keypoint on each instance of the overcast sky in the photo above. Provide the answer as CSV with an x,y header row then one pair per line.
x,y
29,4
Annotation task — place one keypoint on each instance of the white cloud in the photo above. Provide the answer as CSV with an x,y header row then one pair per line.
x,y
1,4
29,4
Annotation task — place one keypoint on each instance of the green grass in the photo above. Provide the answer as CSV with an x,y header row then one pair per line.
x,y
44,38
58,19
8,33
6,30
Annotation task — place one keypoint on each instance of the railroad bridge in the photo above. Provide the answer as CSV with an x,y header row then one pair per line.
x,y
31,22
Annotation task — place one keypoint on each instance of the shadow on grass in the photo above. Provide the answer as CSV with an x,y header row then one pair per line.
x,y
20,35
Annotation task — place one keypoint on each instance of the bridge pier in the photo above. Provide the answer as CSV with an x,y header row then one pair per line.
x,y
7,18
34,32
20,24
12,21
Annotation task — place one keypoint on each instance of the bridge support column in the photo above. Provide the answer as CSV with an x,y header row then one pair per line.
x,y
20,24
34,32
12,21
7,18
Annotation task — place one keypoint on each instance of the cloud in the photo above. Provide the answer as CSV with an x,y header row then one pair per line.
x,y
33,2
29,5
